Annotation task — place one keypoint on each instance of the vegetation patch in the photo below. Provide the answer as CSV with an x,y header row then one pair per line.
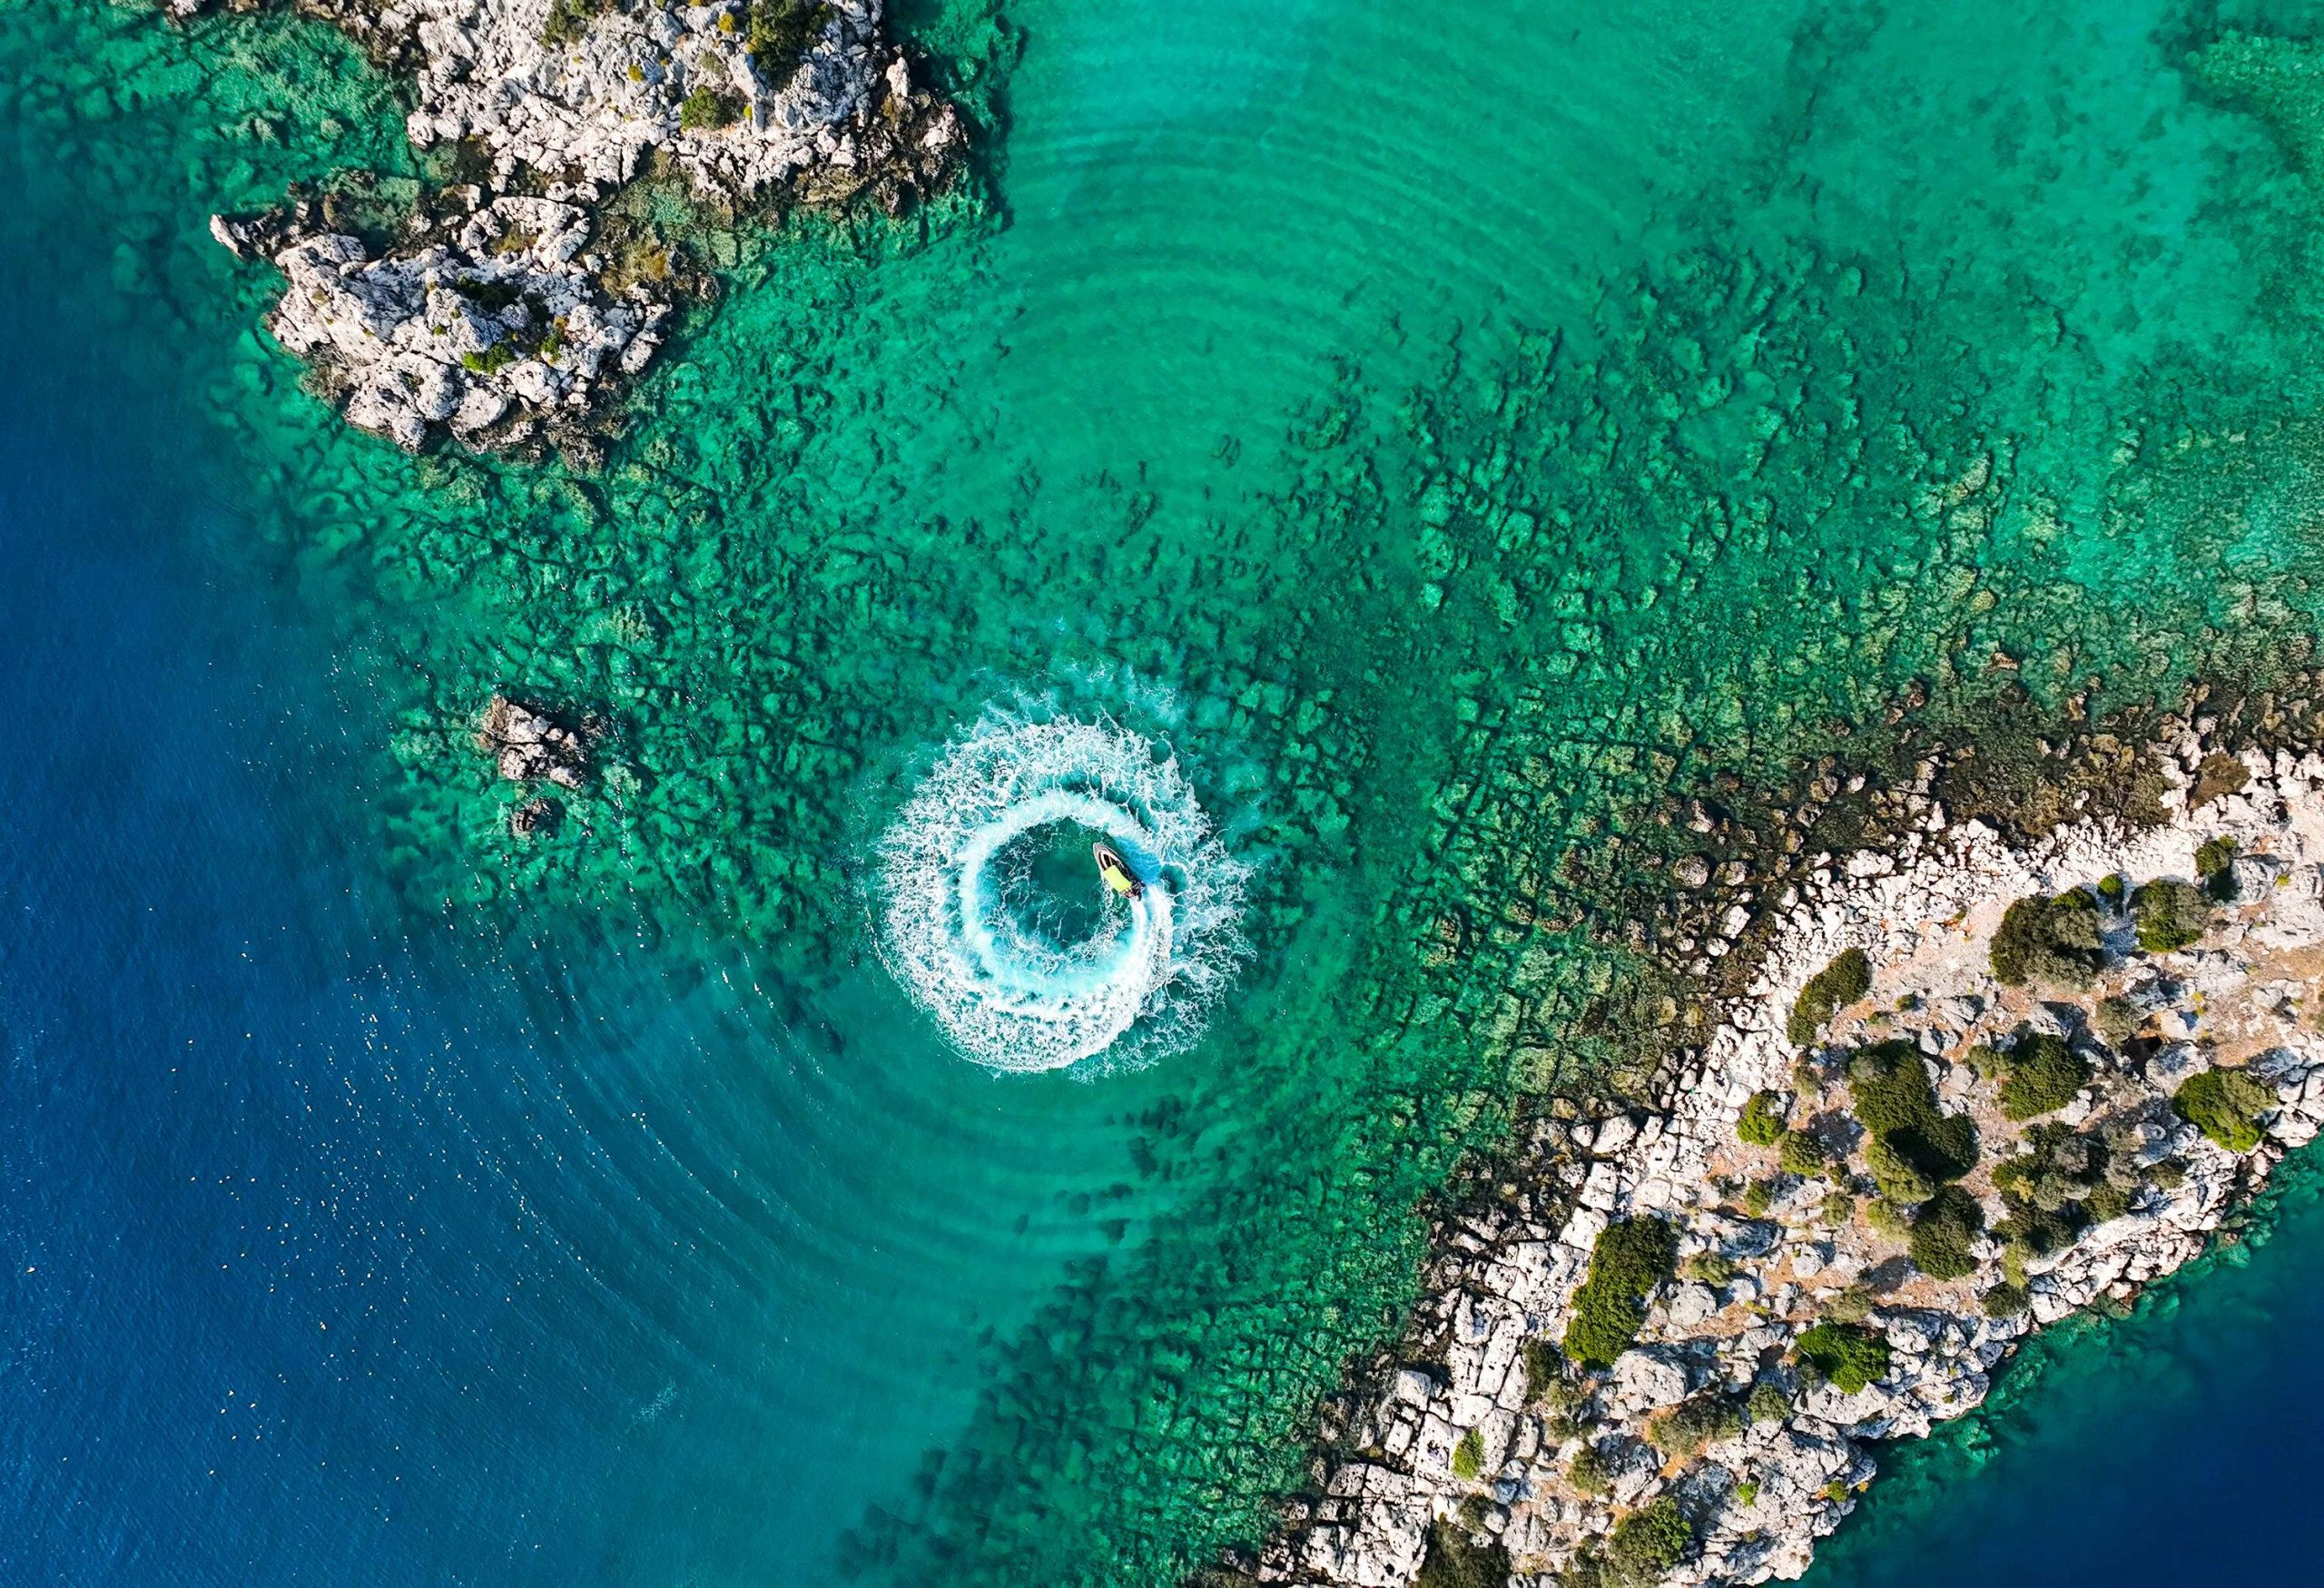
x,y
1802,1155
1851,1356
1469,1457
707,109
2117,1020
2058,1183
1646,1543
2215,867
1628,1263
778,34
1761,1123
1846,979
2040,1075
2049,940
1544,1370
568,20
2225,1105
1457,1559
1681,1433
1945,1234
1911,1146
2006,1300
1712,1268
492,360
2170,915
1768,1403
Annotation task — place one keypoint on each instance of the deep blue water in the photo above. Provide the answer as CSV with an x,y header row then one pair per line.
x,y
2178,1445
358,1250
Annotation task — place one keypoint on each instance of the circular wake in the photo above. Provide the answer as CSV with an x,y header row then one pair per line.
x,y
996,918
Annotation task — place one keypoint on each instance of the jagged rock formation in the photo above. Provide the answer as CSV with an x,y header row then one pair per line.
x,y
529,746
567,100
1725,1438
489,324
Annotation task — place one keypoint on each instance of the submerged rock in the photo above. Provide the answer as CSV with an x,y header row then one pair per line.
x,y
538,817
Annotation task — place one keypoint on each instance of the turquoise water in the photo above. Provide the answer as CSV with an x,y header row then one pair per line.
x,y
1447,434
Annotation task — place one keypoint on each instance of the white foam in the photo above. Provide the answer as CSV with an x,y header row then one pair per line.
x,y
1143,985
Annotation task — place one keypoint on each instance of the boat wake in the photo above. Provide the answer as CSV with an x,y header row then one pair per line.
x,y
995,920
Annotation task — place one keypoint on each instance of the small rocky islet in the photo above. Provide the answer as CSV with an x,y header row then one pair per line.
x,y
507,310
1973,1088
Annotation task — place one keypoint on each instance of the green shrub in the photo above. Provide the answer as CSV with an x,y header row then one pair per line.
x,y
2049,940
1768,1404
1802,1155
569,20
2225,1105
2215,867
2006,1300
1587,1472
777,33
2033,1232
1761,1123
2170,915
2046,1187
1544,1372
1852,1305
1838,1209
2109,1201
1896,1105
1457,1559
1747,1493
1886,1218
1758,1197
1681,1433
1469,1457
1944,1231
2112,888
2116,1019
1846,979
1646,1543
1629,1262
1848,1355
1806,1079
491,362
2170,1174
2043,1076
1712,1268
707,109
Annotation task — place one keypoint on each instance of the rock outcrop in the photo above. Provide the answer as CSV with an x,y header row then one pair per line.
x,y
527,745
1839,1280
487,322
567,100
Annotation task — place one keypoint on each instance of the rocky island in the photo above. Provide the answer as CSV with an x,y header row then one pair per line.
x,y
1971,1088
498,313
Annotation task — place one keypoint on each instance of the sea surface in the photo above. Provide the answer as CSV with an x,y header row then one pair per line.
x,y
1439,435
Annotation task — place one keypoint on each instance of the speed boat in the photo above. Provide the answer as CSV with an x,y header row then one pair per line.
x,y
1117,873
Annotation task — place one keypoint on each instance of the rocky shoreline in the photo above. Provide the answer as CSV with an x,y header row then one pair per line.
x,y
1973,1087
497,314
